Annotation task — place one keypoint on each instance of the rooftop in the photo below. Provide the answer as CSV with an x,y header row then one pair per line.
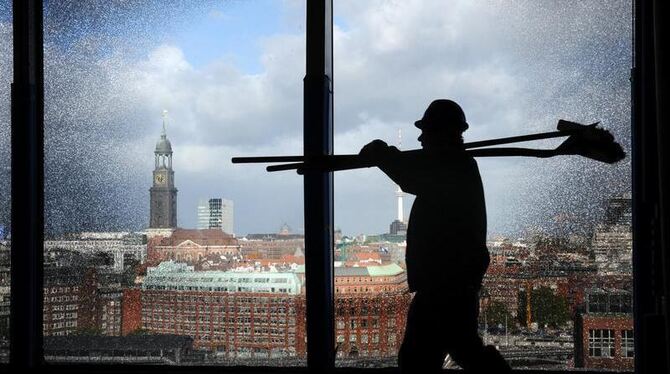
x,y
169,275
202,237
364,271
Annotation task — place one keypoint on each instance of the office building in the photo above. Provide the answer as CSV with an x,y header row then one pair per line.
x,y
216,213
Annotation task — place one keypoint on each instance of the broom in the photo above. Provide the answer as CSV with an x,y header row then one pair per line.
x,y
588,141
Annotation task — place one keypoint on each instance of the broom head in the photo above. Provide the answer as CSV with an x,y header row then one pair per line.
x,y
590,141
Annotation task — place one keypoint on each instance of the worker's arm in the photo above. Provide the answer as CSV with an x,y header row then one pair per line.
x,y
407,169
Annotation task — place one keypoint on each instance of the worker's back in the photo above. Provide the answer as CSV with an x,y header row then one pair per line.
x,y
446,237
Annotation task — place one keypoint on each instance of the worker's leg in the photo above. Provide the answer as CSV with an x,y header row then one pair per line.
x,y
466,347
422,350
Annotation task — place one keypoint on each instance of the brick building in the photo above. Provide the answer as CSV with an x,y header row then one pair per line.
x,y
271,247
370,310
262,314
191,246
70,302
109,310
131,311
604,331
235,314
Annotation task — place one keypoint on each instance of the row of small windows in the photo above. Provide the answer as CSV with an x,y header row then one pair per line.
x,y
160,279
205,309
60,325
218,289
63,289
221,330
341,279
57,316
361,311
64,307
608,303
221,320
366,289
602,343
363,323
364,338
230,300
55,299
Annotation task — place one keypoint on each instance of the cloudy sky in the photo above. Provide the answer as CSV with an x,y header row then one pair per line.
x,y
230,75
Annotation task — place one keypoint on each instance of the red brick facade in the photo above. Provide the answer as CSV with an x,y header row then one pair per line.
x,y
370,325
131,313
591,329
191,246
234,324
70,301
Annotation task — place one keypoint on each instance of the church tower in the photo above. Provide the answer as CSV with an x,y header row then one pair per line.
x,y
163,194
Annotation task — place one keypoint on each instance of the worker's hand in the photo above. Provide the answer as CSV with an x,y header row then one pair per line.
x,y
375,151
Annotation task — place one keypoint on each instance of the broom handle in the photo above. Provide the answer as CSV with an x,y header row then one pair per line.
x,y
477,144
349,162
520,138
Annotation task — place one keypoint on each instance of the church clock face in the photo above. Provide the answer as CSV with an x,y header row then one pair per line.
x,y
159,179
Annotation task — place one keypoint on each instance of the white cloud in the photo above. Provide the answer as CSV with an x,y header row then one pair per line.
x,y
515,67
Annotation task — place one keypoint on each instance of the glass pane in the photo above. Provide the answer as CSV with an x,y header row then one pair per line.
x,y
158,249
6,73
559,229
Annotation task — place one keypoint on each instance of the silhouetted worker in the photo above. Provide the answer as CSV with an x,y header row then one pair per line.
x,y
446,244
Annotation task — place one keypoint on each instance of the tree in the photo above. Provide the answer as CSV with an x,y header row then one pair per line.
x,y
547,308
497,314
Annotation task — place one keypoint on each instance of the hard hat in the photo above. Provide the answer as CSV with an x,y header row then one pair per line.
x,y
443,114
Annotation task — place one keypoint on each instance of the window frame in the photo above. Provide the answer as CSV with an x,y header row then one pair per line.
x,y
602,343
627,344
649,176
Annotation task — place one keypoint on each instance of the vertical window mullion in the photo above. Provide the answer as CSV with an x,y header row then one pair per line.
x,y
318,187
27,231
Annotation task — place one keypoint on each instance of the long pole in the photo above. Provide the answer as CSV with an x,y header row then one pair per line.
x,y
348,162
469,145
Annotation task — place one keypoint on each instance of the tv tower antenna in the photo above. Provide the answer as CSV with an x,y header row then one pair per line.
x,y
399,194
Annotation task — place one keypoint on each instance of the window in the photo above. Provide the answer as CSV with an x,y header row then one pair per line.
x,y
627,344
514,68
136,121
598,303
23,266
601,343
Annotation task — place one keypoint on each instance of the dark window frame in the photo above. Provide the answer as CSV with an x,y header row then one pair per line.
x,y
649,177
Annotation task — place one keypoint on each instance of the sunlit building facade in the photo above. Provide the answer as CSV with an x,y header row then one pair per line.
x,y
235,314
370,310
